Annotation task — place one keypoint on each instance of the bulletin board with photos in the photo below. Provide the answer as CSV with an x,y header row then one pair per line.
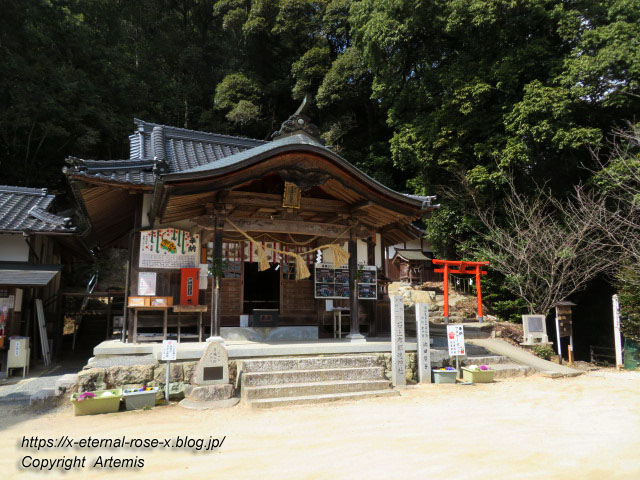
x,y
332,282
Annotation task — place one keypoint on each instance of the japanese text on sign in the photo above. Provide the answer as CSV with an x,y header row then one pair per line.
x,y
455,339
169,349
169,248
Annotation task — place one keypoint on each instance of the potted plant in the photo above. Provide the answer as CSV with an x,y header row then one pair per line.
x,y
478,374
138,398
99,401
444,375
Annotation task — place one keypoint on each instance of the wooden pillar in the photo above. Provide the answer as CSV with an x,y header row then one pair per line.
x,y
372,305
354,331
384,254
218,229
479,292
446,293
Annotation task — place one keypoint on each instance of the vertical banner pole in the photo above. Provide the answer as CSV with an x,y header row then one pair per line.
x,y
398,366
616,331
424,343
558,337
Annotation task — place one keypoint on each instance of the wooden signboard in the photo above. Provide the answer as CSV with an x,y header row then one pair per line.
x,y
169,248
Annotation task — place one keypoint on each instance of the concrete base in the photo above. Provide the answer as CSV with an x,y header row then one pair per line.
x,y
193,351
215,339
262,334
356,337
193,405
524,344
208,393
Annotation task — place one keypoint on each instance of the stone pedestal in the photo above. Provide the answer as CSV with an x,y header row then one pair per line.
x,y
211,387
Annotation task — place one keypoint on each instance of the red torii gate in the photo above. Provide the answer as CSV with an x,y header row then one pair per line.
x,y
465,268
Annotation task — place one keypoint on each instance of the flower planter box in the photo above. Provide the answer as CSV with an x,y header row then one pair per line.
x,y
444,376
477,376
97,404
136,400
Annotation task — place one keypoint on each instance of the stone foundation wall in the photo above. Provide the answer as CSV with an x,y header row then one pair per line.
x,y
438,359
136,376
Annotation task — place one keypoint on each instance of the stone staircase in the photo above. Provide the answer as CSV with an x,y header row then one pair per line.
x,y
274,382
503,366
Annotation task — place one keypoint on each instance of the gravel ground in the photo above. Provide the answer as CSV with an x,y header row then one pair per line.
x,y
587,427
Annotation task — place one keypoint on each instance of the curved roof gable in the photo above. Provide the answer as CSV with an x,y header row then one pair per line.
x,y
299,142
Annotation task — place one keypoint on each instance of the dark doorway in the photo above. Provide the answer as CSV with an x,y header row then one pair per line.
x,y
261,289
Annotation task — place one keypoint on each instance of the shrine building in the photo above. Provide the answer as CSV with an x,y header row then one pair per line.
x,y
228,235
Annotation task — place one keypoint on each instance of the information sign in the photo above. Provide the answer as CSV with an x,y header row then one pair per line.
x,y
455,339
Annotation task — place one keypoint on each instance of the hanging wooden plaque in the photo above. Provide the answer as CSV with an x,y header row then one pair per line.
x,y
291,196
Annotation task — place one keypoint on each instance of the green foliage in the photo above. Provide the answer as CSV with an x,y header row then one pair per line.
x,y
501,302
309,70
417,94
629,296
236,87
543,351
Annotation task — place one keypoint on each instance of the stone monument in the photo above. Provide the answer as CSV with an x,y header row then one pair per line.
x,y
535,330
398,365
210,387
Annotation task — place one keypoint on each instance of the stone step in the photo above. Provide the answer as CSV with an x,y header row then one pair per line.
x,y
312,388
506,370
485,360
42,395
308,363
256,379
321,398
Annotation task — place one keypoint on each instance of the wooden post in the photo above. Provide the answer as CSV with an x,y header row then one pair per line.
x,y
446,293
372,305
479,292
571,354
354,310
218,229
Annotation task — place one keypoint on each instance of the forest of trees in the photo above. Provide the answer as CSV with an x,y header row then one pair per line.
x,y
431,97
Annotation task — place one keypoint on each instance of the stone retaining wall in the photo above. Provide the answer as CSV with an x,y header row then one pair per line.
x,y
438,359
136,376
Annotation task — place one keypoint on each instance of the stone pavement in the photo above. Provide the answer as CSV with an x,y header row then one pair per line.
x,y
519,355
40,384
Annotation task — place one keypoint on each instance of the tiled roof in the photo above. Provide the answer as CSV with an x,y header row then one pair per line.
x,y
411,254
155,148
26,274
288,143
27,210
134,172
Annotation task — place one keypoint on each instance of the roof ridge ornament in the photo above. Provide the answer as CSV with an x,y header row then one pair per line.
x,y
299,123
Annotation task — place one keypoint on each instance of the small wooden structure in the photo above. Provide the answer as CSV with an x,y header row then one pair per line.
x,y
252,215
413,265
35,243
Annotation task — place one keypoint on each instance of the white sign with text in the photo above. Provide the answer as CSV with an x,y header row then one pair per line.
x,y
455,339
169,349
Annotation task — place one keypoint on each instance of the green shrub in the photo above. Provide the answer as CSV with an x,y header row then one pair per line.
x,y
544,351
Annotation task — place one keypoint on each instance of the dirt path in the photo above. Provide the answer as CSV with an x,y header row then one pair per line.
x,y
585,427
